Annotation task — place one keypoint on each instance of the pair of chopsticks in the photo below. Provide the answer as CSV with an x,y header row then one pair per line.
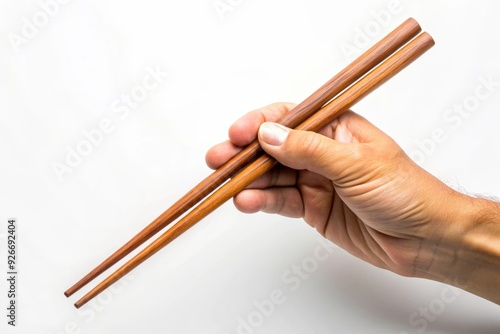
x,y
370,70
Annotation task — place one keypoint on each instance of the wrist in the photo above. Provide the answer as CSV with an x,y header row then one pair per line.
x,y
466,253
480,254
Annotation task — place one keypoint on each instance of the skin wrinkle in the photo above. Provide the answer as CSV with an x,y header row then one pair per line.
x,y
328,217
303,207
295,184
434,251
311,145
281,203
365,235
340,212
367,241
454,262
377,249
417,257
349,230
275,176
373,238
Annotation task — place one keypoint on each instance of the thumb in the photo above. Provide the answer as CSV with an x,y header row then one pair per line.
x,y
306,150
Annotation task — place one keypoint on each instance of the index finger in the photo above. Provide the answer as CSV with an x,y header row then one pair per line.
x,y
244,130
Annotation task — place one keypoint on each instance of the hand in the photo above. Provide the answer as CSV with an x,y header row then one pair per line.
x,y
358,188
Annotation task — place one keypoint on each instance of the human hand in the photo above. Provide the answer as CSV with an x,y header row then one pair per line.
x,y
358,188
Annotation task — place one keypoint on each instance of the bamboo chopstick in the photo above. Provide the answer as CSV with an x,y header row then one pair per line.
x,y
264,163
359,67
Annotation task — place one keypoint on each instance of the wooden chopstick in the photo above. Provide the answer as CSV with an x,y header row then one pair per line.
x,y
359,67
264,163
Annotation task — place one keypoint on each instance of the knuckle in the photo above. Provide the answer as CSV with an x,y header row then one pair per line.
x,y
311,145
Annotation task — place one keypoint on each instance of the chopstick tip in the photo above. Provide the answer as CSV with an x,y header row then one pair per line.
x,y
71,291
429,39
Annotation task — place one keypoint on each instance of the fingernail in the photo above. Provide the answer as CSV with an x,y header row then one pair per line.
x,y
273,134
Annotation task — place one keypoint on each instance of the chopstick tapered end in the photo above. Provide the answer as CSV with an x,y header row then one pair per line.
x,y
82,301
72,290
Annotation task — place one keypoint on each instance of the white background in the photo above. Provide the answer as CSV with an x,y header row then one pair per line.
x,y
64,77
